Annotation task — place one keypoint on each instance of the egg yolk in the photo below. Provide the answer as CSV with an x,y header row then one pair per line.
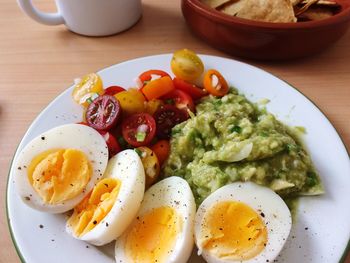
x,y
59,175
94,207
233,230
153,236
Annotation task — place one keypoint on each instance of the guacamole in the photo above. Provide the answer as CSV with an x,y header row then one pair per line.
x,y
231,139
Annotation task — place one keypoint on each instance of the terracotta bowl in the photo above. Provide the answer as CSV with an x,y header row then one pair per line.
x,y
262,40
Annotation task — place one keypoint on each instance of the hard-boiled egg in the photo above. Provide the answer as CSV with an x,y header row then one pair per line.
x,y
163,229
107,211
57,169
242,222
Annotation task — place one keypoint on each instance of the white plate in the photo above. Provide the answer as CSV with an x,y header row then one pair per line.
x,y
322,229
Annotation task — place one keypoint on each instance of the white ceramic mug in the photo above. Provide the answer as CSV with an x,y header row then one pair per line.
x,y
89,17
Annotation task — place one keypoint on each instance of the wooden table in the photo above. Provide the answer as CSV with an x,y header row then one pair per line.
x,y
37,63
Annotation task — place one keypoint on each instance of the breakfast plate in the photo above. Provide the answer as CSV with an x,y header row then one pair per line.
x,y
321,227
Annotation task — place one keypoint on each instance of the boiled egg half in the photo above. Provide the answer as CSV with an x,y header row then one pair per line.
x,y
57,169
111,206
242,222
163,229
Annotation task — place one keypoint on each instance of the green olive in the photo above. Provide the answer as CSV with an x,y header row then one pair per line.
x,y
186,65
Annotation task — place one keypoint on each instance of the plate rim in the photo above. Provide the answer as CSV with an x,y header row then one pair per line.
x,y
18,251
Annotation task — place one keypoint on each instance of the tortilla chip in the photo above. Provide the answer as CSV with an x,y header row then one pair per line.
x,y
295,2
214,3
326,2
234,8
263,10
316,13
320,2
319,9
277,11
305,6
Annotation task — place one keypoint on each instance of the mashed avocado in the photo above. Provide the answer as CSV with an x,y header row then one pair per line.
x,y
230,139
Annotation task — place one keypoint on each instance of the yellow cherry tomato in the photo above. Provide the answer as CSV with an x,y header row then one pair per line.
x,y
131,101
153,105
90,85
186,65
150,164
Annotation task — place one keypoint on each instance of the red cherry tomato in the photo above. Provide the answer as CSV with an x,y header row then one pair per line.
x,y
166,118
162,150
139,129
112,143
191,89
147,75
180,99
118,135
103,113
112,90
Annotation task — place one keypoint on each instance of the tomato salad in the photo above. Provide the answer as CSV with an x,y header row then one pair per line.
x,y
143,117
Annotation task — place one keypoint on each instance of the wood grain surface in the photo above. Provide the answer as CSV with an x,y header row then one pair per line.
x,y
38,62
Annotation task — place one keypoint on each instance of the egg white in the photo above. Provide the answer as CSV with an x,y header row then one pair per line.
x,y
175,193
127,167
74,136
277,218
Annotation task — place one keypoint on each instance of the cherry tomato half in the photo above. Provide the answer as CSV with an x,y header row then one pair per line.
x,y
131,101
166,118
103,113
152,106
151,75
86,88
118,135
150,163
139,129
180,99
191,89
112,90
215,83
112,143
162,150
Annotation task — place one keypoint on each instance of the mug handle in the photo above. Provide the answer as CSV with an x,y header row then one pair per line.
x,y
41,17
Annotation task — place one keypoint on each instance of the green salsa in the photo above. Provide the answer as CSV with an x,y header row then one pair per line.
x,y
231,139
